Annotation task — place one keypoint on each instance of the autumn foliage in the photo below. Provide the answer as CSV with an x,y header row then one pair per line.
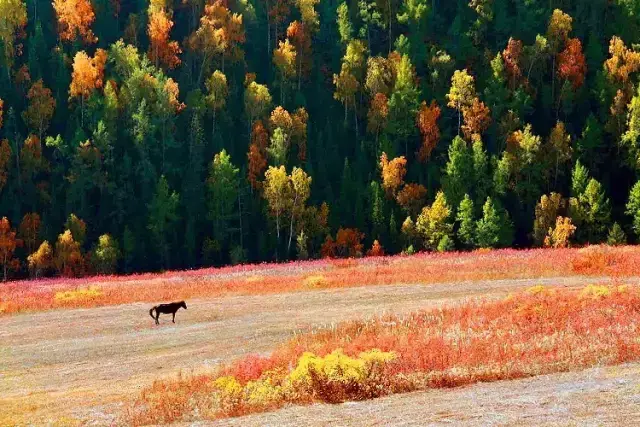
x,y
75,18
572,64
162,50
8,245
427,122
88,74
393,172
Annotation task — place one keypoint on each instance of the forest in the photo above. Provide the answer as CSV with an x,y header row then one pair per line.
x,y
163,134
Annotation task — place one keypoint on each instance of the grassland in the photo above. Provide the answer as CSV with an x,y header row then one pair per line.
x,y
92,355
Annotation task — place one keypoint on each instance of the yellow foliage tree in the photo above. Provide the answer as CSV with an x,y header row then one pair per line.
x,y
433,223
41,260
560,235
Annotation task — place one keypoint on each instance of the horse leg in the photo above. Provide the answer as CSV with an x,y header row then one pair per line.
x,y
174,317
157,317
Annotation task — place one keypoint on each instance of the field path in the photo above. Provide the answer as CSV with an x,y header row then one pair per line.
x,y
83,363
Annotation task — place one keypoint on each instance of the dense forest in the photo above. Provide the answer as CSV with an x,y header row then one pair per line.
x,y
143,135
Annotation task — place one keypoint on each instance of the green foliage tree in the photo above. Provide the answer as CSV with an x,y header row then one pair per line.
x,y
163,215
223,192
466,222
459,172
105,255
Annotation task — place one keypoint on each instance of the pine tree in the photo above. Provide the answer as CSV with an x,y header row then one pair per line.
x,y
616,235
488,227
163,214
466,222
459,172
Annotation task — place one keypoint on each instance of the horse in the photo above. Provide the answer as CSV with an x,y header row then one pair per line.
x,y
166,309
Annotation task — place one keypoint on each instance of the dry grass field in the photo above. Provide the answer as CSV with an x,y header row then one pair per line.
x,y
89,360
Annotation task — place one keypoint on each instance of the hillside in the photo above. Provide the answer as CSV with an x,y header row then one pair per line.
x,y
143,136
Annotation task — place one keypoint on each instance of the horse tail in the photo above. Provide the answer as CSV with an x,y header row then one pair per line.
x,y
151,312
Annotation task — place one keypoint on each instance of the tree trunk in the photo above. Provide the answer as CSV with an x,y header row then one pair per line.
x,y
293,210
277,232
553,78
355,115
240,219
390,20
213,125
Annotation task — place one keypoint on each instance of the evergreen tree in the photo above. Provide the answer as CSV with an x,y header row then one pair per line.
x,y
466,222
163,214
489,226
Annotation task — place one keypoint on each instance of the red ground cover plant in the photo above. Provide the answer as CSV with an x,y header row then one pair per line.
x,y
427,268
535,332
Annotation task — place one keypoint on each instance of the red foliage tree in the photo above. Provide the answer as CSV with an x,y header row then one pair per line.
x,y
511,57
571,63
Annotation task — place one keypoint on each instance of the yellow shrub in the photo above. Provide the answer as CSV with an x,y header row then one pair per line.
x,y
254,279
595,292
263,392
540,290
77,295
315,282
338,377
229,393
535,290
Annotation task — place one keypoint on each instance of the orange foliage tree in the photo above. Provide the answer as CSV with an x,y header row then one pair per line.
x,y
427,121
74,19
161,49
8,245
623,61
220,34
411,198
376,249
349,242
392,172
87,75
301,39
257,155
477,119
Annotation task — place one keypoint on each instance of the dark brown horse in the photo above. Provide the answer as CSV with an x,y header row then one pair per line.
x,y
167,309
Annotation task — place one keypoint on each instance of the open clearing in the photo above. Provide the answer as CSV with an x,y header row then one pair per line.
x,y
83,364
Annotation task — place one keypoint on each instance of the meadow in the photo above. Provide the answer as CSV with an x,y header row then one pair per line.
x,y
260,338
59,293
